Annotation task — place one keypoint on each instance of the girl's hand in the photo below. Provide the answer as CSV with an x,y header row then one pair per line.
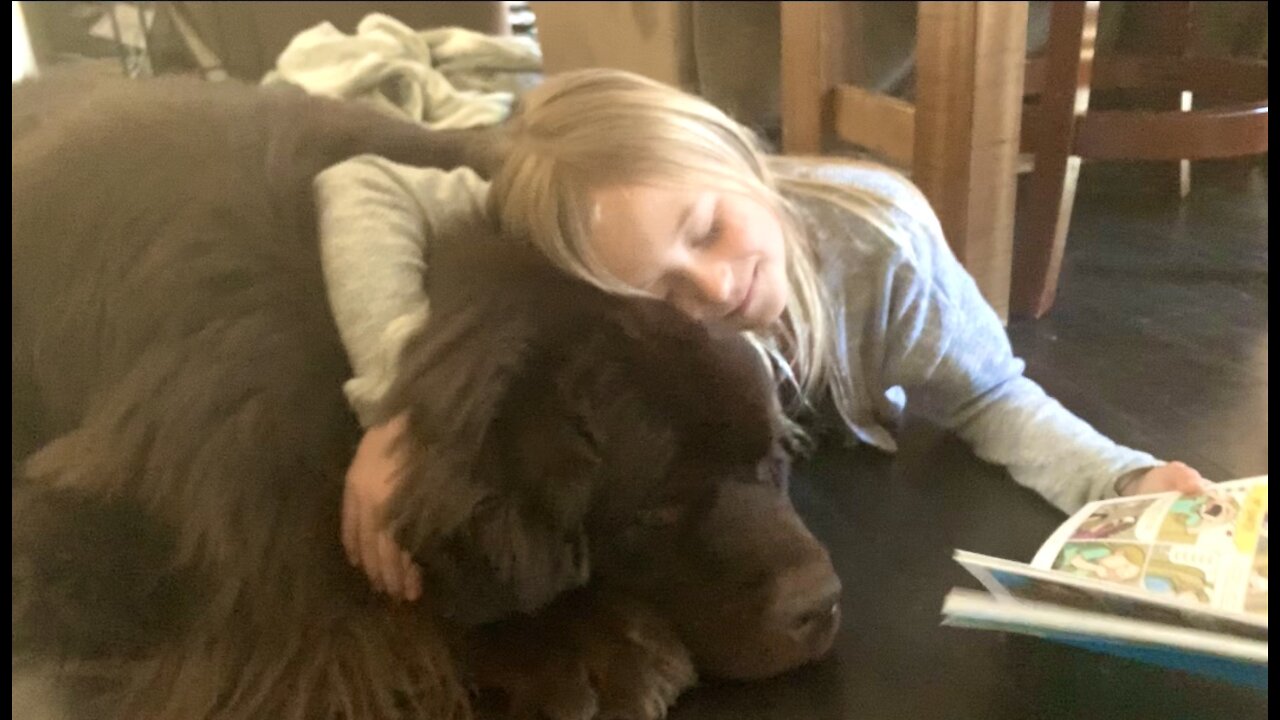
x,y
371,479
1165,478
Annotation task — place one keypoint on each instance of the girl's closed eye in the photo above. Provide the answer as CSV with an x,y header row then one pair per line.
x,y
708,237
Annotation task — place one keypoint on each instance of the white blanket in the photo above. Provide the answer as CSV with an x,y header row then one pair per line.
x,y
411,73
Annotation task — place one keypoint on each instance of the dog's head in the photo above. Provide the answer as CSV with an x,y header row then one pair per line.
x,y
560,434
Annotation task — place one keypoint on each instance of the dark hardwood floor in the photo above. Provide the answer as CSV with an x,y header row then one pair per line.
x,y
1159,338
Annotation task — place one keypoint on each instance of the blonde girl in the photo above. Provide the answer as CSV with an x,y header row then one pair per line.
x,y
838,273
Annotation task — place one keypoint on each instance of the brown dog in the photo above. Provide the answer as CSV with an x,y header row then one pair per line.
x,y
178,376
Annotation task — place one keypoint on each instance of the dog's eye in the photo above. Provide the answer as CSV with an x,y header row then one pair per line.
x,y
660,516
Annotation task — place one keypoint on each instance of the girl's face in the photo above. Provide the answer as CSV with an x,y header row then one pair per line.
x,y
715,255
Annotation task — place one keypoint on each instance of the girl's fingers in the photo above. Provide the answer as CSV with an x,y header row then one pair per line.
x,y
350,527
369,554
389,564
412,578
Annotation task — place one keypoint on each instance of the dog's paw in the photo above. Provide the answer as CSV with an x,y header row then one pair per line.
x,y
523,686
586,657
634,660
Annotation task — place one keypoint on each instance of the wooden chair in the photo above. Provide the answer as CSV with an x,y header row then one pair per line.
x,y
1060,130
961,139
958,141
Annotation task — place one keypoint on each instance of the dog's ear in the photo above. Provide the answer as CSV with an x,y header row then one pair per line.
x,y
517,514
535,560
533,530
453,375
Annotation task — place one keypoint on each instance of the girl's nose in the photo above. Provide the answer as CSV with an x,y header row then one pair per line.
x,y
714,282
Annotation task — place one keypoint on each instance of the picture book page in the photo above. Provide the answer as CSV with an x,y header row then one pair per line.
x,y
1208,551
965,608
1020,584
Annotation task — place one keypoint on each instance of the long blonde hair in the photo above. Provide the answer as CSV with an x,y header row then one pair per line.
x,y
582,130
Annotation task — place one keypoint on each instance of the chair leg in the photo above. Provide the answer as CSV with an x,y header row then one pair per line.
x,y
1045,215
813,43
1163,29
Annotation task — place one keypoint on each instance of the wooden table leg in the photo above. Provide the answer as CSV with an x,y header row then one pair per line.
x,y
814,43
970,59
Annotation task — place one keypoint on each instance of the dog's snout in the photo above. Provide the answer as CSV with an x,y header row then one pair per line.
x,y
818,620
773,603
808,604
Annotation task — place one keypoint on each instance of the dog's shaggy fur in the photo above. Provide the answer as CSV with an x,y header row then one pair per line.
x,y
182,435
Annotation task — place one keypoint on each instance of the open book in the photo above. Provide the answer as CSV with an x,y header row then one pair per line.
x,y
1176,580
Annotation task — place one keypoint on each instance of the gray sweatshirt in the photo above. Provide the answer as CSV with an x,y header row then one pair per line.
x,y
909,320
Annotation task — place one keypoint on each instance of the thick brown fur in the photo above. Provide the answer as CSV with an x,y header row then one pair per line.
x,y
183,436
173,347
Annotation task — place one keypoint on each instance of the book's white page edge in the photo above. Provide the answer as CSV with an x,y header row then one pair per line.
x,y
977,565
968,604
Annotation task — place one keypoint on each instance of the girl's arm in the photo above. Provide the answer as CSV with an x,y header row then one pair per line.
x,y
376,219
947,348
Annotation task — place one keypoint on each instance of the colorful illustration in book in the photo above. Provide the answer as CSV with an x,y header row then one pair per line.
x,y
1191,518
1045,591
1113,521
1174,573
1255,594
1090,600
1037,590
1112,563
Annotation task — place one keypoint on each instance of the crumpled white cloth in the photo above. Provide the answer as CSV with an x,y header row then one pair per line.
x,y
406,72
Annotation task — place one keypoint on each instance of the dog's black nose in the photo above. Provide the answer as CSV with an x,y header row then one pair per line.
x,y
808,606
819,621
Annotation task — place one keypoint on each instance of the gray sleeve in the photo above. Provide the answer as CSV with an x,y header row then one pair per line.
x,y
376,219
946,347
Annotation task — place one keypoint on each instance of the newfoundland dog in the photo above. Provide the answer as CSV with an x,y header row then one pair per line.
x,y
596,489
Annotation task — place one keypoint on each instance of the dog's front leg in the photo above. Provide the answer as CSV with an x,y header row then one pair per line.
x,y
591,654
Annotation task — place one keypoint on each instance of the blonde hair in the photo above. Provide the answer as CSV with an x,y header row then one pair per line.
x,y
587,129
